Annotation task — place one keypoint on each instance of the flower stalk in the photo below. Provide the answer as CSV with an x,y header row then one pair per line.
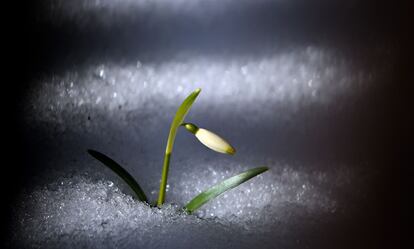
x,y
177,121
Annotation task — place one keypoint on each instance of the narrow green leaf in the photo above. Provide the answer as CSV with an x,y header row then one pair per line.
x,y
121,172
178,119
222,187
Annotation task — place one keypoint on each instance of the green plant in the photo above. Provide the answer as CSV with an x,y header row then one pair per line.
x,y
206,137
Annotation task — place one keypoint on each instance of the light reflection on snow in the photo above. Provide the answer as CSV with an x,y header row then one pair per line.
x,y
296,78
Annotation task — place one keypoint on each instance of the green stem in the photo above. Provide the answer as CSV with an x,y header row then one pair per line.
x,y
163,185
177,121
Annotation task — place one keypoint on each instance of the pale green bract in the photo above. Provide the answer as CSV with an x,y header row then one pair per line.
x,y
179,118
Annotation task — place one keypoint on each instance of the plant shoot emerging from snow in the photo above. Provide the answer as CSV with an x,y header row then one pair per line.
x,y
206,137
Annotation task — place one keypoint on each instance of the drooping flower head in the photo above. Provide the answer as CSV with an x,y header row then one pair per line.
x,y
210,139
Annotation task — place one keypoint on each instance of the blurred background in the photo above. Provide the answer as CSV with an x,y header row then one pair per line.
x,y
316,89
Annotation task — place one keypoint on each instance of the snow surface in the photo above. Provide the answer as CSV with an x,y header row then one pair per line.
x,y
245,84
268,211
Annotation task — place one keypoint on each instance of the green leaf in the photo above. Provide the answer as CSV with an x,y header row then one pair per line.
x,y
178,119
222,187
121,172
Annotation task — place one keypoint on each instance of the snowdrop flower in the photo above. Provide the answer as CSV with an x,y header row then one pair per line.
x,y
210,139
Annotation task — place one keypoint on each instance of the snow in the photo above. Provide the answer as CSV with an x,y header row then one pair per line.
x,y
291,108
296,78
78,211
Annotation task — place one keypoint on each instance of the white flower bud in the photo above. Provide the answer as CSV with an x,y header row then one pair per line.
x,y
214,142
210,139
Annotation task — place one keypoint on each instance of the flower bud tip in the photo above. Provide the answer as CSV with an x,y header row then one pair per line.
x,y
231,151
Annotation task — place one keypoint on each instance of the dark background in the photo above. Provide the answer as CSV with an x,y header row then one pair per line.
x,y
35,47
